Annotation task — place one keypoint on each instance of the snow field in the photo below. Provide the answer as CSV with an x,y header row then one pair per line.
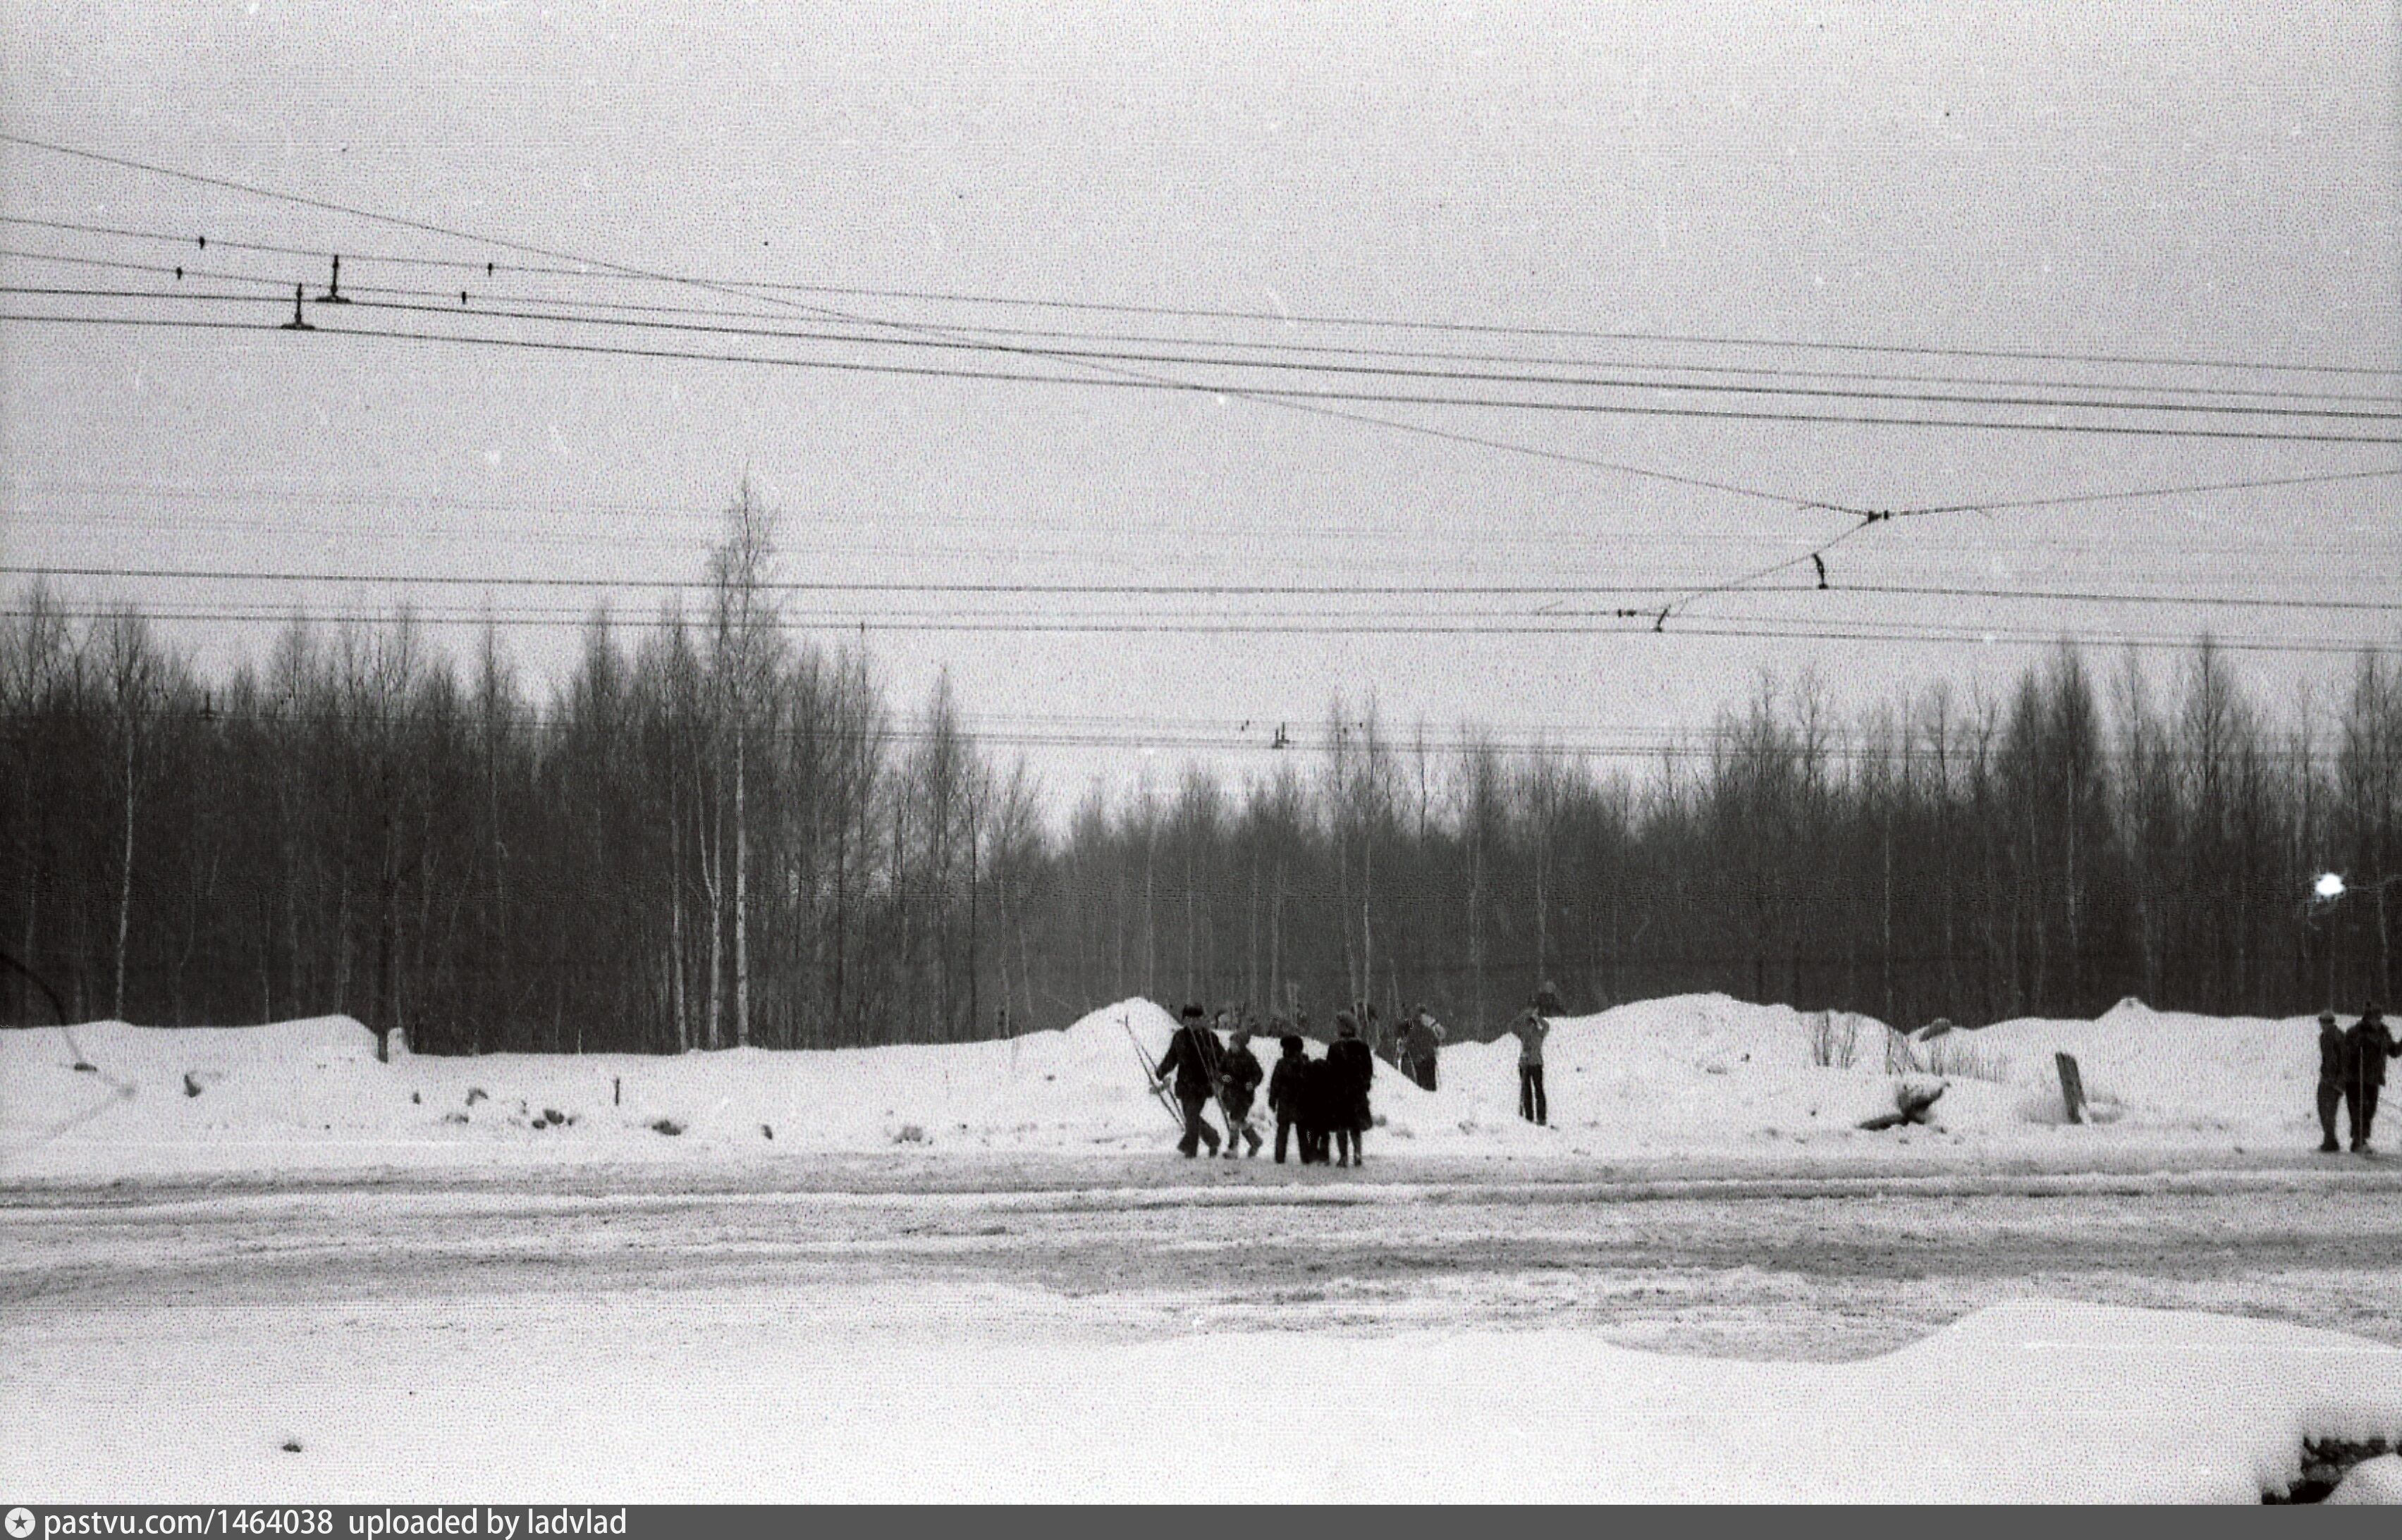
x,y
928,1393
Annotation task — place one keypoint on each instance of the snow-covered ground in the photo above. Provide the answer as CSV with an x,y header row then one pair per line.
x,y
1700,1076
915,1394
118,1382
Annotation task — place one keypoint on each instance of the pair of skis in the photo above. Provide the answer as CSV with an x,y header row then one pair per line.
x,y
1167,1099
1159,1091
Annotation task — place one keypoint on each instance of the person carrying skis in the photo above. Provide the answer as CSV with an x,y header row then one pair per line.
x,y
1284,1092
1238,1081
1193,1057
1353,1068
2368,1046
2335,1053
1531,1029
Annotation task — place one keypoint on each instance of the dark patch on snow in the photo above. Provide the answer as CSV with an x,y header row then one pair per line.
x,y
667,1126
292,1446
83,1068
478,1093
2324,1463
191,1086
768,1130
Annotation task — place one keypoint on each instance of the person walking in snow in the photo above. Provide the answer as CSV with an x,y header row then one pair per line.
x,y
1425,1044
1239,1082
1193,1057
1353,1069
1284,1094
2335,1055
1531,1029
2368,1046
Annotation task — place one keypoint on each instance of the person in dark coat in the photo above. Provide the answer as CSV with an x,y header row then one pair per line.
x,y
1239,1082
1425,1044
2335,1055
2368,1045
1354,1068
1193,1057
1284,1094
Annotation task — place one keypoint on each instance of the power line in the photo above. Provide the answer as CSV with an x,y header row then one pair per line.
x,y
1312,368
585,268
315,497
1315,408
1269,394
1181,590
955,334
883,622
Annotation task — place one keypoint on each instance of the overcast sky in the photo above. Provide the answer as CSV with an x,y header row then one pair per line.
x,y
2209,181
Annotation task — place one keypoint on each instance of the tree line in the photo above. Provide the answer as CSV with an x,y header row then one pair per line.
x,y
716,835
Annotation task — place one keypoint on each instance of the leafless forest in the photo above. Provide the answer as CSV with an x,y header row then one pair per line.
x,y
718,832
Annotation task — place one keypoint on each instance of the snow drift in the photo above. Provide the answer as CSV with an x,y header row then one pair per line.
x,y
1700,1075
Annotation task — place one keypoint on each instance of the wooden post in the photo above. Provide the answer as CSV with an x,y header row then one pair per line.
x,y
2072,1087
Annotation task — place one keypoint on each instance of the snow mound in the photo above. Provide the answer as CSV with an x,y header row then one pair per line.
x,y
1700,1074
2372,1481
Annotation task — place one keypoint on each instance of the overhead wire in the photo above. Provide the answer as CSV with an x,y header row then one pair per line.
x,y
1306,400
591,269
977,336
1316,408
1272,394
884,622
486,313
1163,590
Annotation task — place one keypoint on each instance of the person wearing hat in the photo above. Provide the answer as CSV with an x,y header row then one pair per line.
x,y
1354,1068
1193,1057
2368,1046
2334,1056
1239,1080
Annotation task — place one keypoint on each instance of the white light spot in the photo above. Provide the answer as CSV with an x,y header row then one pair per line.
x,y
2329,885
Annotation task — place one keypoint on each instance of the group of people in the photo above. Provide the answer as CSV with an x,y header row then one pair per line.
x,y
2351,1070
1319,1103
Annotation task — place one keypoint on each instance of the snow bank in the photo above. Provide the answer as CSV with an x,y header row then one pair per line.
x,y
1700,1075
2378,1482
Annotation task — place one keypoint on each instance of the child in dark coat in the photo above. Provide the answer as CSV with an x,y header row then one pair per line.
x,y
1284,1095
1239,1080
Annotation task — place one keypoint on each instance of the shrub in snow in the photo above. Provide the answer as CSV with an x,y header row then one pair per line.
x,y
910,1134
667,1125
1957,1059
1834,1039
478,1093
